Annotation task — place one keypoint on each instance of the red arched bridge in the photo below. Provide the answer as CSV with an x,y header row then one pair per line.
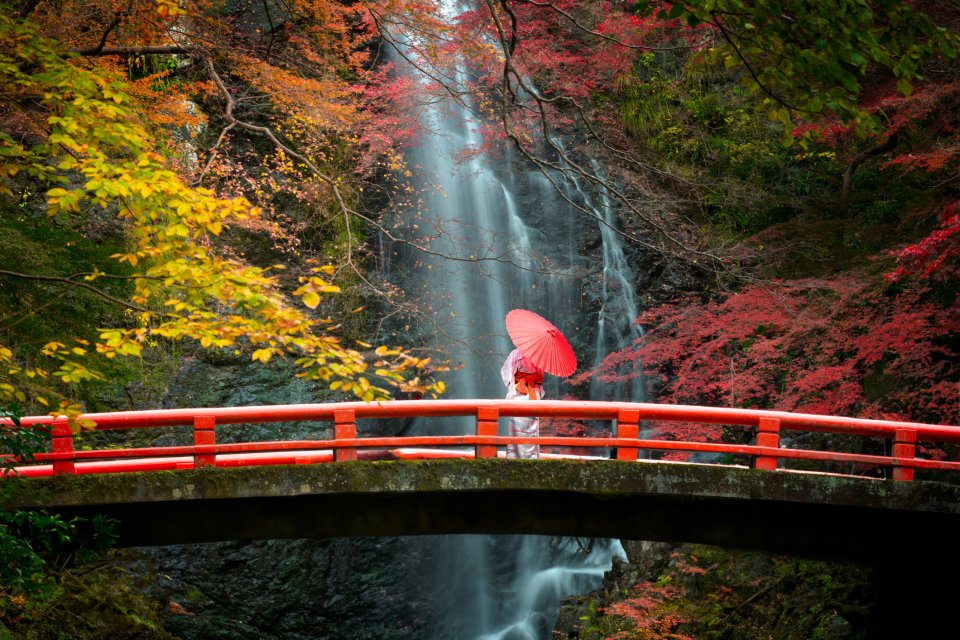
x,y
775,497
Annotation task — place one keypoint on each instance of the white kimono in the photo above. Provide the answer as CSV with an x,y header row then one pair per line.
x,y
524,427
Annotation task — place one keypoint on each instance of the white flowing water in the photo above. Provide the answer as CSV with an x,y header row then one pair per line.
x,y
615,328
506,240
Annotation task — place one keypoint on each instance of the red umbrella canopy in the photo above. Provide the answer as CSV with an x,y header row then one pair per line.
x,y
541,342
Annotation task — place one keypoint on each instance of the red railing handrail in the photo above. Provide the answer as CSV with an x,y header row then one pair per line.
x,y
626,416
581,409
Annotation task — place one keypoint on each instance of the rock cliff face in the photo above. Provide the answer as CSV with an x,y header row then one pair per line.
x,y
291,589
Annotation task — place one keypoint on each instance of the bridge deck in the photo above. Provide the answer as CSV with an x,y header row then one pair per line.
x,y
821,515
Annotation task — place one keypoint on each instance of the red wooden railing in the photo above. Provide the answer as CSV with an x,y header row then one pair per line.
x,y
626,418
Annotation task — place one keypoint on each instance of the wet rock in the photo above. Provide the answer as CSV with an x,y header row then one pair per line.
x,y
838,629
290,590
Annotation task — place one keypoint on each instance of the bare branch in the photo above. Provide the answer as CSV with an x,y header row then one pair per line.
x,y
26,8
82,285
131,51
214,152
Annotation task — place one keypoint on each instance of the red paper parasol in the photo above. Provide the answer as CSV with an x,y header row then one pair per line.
x,y
541,342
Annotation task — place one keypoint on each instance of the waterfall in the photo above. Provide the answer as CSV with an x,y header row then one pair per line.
x,y
487,254
618,305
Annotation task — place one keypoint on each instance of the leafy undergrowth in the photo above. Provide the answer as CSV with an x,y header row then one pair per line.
x,y
704,593
97,601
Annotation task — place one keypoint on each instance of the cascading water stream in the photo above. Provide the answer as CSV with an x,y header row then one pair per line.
x,y
615,328
507,239
502,586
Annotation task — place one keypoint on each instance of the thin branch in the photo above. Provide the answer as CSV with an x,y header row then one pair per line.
x,y
444,80
214,152
728,36
100,50
82,285
439,254
26,8
756,595
13,320
266,131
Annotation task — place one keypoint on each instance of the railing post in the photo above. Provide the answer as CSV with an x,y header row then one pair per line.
x,y
62,442
904,446
768,435
487,419
344,428
204,433
628,426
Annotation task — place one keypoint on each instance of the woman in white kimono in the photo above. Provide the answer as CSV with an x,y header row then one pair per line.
x,y
524,381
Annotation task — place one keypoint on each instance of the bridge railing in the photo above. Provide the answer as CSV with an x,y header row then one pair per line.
x,y
627,442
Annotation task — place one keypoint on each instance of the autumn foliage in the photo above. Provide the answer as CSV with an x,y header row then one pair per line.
x,y
172,127
936,256
646,613
866,170
845,345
